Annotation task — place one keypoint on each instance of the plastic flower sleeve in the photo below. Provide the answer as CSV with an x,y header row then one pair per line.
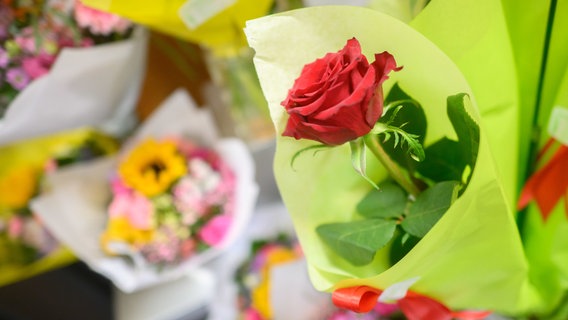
x,y
481,48
474,248
545,228
510,113
216,23
86,189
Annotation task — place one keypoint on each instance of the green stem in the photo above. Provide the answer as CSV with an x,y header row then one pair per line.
x,y
394,170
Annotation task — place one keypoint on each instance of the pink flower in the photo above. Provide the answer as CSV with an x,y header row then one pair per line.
x,y
386,309
15,227
189,200
26,40
187,248
39,65
215,230
18,78
4,58
118,186
50,166
251,314
165,248
136,208
99,22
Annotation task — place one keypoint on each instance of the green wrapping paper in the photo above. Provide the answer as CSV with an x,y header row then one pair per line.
x,y
546,241
483,53
473,257
512,101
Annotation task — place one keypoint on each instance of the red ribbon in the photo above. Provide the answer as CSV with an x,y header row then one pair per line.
x,y
414,305
548,184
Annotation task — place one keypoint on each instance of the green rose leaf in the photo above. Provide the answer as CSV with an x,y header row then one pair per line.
x,y
410,118
445,161
389,201
466,128
401,245
448,159
359,160
429,207
357,241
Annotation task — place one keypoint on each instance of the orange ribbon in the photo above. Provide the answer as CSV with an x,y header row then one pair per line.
x,y
548,184
414,305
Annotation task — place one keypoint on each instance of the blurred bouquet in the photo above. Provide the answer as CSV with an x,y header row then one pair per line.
x,y
276,269
253,276
178,196
171,200
65,42
24,241
33,33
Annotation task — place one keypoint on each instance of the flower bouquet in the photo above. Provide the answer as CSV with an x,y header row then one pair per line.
x,y
60,57
171,200
423,221
174,198
26,246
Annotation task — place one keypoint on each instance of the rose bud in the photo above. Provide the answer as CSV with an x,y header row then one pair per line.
x,y
339,97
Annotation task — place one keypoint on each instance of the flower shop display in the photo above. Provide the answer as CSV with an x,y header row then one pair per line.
x,y
174,198
439,221
61,57
26,246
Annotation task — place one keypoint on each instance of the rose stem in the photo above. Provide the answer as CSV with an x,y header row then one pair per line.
x,y
394,170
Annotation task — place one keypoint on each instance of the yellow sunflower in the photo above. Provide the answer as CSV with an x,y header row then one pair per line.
x,y
152,167
17,187
120,229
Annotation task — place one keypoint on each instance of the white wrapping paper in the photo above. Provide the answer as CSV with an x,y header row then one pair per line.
x,y
95,86
75,207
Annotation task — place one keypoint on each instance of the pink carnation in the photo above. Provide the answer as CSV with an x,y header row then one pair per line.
x,y
15,227
118,186
99,22
251,314
215,230
18,78
39,65
136,208
189,200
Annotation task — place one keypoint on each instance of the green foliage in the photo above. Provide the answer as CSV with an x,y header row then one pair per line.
x,y
403,112
429,207
389,201
359,160
357,241
315,148
448,159
446,164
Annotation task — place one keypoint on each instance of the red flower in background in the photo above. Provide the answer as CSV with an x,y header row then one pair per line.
x,y
339,97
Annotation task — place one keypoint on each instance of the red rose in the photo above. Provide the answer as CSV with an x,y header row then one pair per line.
x,y
339,97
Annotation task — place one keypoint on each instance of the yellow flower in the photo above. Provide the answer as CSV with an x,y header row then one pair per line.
x,y
17,187
119,229
260,294
152,167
